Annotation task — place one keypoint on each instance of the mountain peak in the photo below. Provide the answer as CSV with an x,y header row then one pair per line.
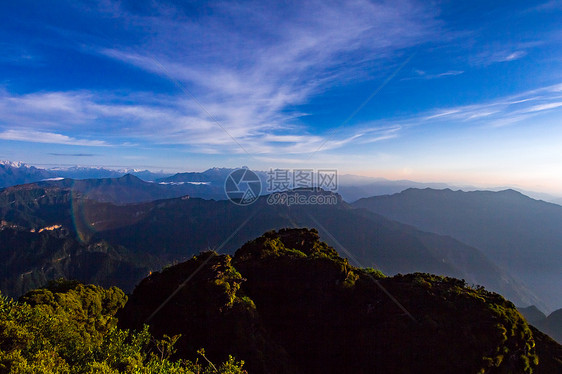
x,y
300,310
14,164
130,178
511,192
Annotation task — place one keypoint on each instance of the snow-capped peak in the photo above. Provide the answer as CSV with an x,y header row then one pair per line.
x,y
14,164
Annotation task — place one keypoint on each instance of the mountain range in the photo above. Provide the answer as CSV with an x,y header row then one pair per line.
x,y
15,173
115,231
143,237
209,184
520,234
552,324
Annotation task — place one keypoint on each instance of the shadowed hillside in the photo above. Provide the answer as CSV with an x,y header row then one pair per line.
x,y
175,229
287,303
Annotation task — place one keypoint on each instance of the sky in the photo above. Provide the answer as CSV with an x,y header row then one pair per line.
x,y
465,92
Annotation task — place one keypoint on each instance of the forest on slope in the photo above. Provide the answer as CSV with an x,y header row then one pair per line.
x,y
284,303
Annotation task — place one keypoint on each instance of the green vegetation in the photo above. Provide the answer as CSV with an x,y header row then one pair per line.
x,y
68,327
285,303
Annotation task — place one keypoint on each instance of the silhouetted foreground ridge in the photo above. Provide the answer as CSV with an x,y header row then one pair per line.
x,y
287,303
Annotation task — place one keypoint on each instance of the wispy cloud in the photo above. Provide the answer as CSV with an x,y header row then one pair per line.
x,y
548,6
252,86
158,120
505,111
513,56
497,55
541,107
17,55
420,74
73,154
48,137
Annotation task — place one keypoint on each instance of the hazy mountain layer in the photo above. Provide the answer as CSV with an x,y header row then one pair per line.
x,y
175,229
520,234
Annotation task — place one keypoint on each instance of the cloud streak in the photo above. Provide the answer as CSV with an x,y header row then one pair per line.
x,y
73,154
250,67
420,74
505,111
156,120
171,120
254,87
48,137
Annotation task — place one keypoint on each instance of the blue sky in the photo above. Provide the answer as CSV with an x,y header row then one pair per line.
x,y
449,91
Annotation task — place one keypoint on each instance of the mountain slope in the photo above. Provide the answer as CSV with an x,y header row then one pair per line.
x,y
551,325
287,303
127,189
520,234
31,258
184,227
123,190
12,174
532,314
175,229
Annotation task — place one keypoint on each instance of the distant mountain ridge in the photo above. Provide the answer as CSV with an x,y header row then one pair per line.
x,y
552,325
127,189
123,190
211,182
175,229
521,234
15,173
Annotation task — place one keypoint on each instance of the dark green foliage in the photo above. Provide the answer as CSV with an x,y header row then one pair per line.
x,y
68,327
550,353
286,303
208,311
326,314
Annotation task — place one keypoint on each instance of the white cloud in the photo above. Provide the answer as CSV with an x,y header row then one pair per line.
x,y
236,88
450,72
48,137
420,74
249,67
514,56
541,107
159,120
504,111
252,86
498,54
